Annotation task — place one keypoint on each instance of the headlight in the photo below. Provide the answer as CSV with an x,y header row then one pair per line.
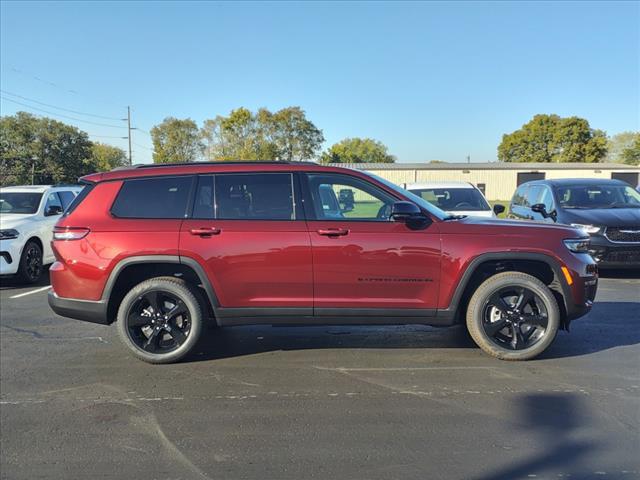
x,y
577,245
8,234
590,229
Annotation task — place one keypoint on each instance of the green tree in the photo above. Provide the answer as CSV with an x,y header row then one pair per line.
x,y
106,157
550,138
631,154
53,151
357,150
243,135
176,141
620,143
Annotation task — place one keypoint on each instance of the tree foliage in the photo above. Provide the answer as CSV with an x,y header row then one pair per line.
x,y
243,135
54,151
624,148
551,138
176,141
631,154
107,157
357,150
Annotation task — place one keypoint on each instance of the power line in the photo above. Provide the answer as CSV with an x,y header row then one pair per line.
x,y
61,115
58,108
106,136
142,146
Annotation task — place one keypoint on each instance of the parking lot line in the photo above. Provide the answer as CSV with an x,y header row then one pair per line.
x,y
42,289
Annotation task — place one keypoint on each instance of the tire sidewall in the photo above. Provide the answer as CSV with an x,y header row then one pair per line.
x,y
177,288
489,287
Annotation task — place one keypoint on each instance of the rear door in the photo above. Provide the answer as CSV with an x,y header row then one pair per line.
x,y
363,263
249,233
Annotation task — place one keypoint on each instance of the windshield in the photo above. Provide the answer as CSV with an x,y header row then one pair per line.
x,y
598,196
19,202
453,199
432,209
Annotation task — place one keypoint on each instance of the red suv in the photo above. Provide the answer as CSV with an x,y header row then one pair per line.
x,y
162,249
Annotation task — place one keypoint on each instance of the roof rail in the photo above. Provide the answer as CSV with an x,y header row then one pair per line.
x,y
233,162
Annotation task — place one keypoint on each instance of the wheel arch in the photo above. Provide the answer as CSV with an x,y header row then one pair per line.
x,y
133,270
542,266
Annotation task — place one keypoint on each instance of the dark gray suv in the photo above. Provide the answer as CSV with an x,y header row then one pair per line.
x,y
608,210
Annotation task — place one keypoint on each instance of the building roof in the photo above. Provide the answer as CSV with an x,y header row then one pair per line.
x,y
488,166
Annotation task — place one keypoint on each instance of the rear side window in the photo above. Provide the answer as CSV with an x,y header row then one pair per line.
x,y
257,196
163,197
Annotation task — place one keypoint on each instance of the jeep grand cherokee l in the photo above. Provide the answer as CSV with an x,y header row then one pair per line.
x,y
160,250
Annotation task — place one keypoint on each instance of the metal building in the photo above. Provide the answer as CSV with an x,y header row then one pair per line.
x,y
497,180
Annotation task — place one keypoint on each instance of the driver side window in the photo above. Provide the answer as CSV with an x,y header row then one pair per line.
x,y
340,197
53,205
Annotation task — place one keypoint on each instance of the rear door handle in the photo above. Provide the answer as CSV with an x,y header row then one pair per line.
x,y
204,231
333,232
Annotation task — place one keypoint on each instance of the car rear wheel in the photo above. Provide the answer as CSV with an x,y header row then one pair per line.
x,y
30,268
160,320
513,316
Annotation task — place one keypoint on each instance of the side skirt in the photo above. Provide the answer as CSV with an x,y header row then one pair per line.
x,y
331,316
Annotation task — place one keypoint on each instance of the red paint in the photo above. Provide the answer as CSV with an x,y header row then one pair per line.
x,y
297,263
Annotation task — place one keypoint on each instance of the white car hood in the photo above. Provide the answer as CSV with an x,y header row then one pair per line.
x,y
474,213
15,220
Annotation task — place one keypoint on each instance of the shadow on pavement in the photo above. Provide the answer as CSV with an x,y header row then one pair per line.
x,y
554,419
609,325
231,342
11,282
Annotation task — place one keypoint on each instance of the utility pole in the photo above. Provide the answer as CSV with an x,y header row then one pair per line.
x,y
129,130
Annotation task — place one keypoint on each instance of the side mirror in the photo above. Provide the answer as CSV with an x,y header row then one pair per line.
x,y
541,209
498,209
53,210
403,211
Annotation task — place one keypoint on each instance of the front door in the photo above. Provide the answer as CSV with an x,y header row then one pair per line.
x,y
363,263
249,234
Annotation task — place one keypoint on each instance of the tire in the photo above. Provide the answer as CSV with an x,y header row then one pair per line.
x,y
513,316
160,320
30,267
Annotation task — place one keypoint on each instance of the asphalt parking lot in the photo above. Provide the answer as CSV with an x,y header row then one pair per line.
x,y
319,402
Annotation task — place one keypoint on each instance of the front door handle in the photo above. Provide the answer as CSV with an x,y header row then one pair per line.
x,y
333,232
204,231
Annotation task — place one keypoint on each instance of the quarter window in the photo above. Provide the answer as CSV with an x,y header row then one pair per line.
x,y
163,197
257,196
339,197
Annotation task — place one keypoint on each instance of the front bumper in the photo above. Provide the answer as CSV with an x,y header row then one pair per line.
x,y
10,251
87,310
609,254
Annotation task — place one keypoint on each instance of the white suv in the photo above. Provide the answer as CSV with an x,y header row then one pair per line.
x,y
27,217
455,198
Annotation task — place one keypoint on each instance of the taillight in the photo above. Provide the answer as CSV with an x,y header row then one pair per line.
x,y
69,233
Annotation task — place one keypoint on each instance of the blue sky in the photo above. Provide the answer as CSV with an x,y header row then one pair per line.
x,y
430,80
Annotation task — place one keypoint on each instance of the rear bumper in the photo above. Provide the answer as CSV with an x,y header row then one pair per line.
x,y
87,310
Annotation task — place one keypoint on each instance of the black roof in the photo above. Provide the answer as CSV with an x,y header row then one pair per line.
x,y
563,182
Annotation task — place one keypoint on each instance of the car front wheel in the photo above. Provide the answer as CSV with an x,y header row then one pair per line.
x,y
513,316
30,268
160,320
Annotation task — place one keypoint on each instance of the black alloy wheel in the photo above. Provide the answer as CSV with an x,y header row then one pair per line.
x,y
31,268
158,322
515,318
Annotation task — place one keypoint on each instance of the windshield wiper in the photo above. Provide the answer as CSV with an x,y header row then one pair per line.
x,y
454,217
